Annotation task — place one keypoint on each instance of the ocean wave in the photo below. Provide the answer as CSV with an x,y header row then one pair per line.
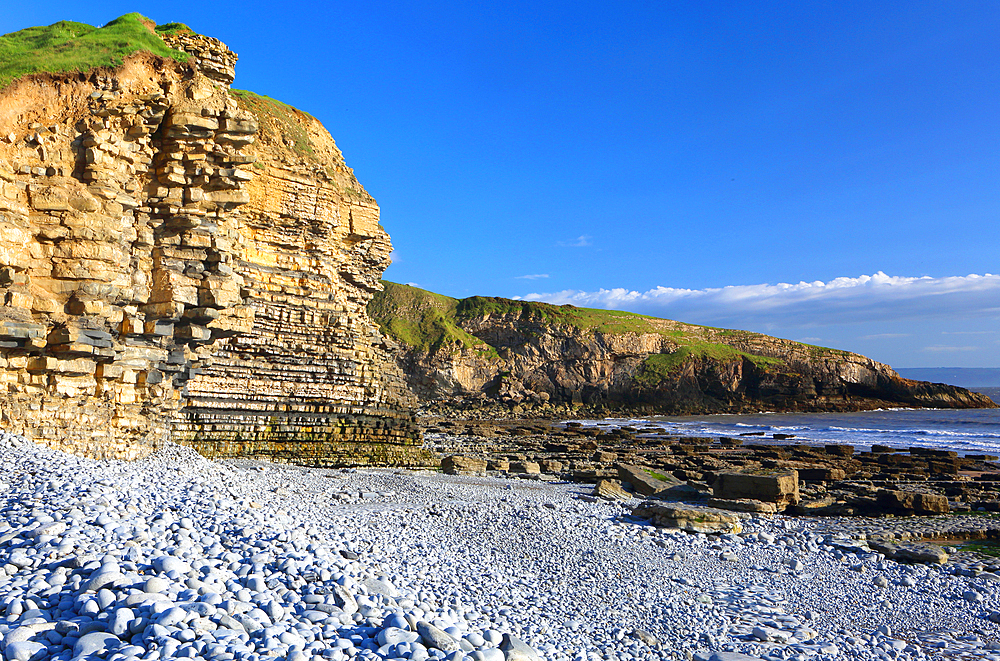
x,y
916,432
971,431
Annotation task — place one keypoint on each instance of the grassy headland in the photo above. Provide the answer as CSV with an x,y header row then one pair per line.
x,y
68,46
431,322
420,319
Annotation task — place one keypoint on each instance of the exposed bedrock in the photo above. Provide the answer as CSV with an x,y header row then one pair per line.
x,y
182,261
483,351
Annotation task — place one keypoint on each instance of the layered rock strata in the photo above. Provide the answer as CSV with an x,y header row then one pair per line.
x,y
480,351
181,262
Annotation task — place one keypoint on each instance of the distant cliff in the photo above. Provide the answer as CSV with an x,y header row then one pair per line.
x,y
484,350
179,260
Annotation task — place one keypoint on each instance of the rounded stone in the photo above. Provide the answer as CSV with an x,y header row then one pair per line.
x,y
97,642
24,650
168,563
156,585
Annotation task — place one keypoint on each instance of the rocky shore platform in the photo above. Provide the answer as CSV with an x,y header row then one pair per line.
x,y
176,556
744,473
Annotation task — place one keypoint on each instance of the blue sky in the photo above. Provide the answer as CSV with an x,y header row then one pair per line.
x,y
826,172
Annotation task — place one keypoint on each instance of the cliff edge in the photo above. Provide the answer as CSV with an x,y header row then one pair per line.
x,y
480,351
179,260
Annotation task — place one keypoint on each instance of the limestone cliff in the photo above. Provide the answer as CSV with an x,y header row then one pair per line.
x,y
483,350
181,260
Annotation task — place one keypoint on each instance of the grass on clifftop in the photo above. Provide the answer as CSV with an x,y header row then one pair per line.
x,y
67,46
420,319
285,124
429,321
588,319
659,367
283,119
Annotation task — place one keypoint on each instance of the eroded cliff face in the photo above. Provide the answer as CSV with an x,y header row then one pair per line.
x,y
533,355
182,261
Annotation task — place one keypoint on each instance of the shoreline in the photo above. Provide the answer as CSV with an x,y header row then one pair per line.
x,y
793,434
829,478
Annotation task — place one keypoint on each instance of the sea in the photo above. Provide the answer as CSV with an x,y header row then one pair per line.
x,y
972,431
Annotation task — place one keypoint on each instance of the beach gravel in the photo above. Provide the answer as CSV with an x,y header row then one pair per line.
x,y
175,556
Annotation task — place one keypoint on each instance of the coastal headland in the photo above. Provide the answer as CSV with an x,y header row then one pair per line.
x,y
183,261
197,355
508,357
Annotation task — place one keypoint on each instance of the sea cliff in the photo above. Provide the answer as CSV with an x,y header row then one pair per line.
x,y
184,261
483,351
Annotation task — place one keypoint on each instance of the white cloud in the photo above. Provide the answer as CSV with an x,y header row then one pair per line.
x,y
534,276
964,332
581,241
942,349
412,284
866,298
884,336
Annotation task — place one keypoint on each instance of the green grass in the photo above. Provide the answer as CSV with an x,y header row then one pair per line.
x,y
422,319
588,319
279,118
174,28
67,46
661,366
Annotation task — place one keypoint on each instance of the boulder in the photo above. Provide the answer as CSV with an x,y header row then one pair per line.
x,y
610,490
457,464
912,501
692,518
515,649
551,466
779,488
645,637
435,638
525,467
642,481
502,465
910,551
931,503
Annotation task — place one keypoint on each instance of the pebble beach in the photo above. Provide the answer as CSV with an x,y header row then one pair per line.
x,y
176,556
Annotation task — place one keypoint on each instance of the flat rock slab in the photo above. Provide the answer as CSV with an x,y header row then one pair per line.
x,y
910,551
642,481
693,518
